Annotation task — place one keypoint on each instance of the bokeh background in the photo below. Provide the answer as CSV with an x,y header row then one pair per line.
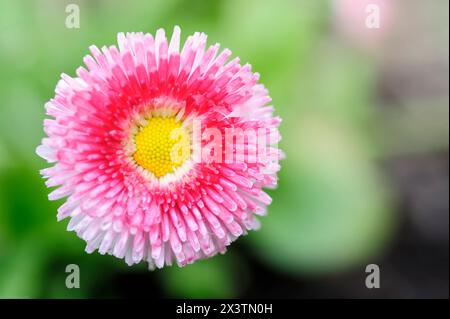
x,y
365,129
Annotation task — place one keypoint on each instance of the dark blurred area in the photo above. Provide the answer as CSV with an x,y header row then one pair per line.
x,y
365,130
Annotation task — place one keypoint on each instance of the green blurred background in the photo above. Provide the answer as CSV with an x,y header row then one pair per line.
x,y
365,130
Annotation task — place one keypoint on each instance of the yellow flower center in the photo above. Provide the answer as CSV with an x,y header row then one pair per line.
x,y
162,145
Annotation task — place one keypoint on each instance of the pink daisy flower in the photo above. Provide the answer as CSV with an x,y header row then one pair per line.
x,y
141,145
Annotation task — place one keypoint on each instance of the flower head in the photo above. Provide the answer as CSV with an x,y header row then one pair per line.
x,y
162,153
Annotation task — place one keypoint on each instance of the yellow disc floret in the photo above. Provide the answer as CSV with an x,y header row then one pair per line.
x,y
162,145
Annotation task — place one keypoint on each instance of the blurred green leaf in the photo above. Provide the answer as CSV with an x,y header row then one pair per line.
x,y
21,271
24,197
212,278
330,210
